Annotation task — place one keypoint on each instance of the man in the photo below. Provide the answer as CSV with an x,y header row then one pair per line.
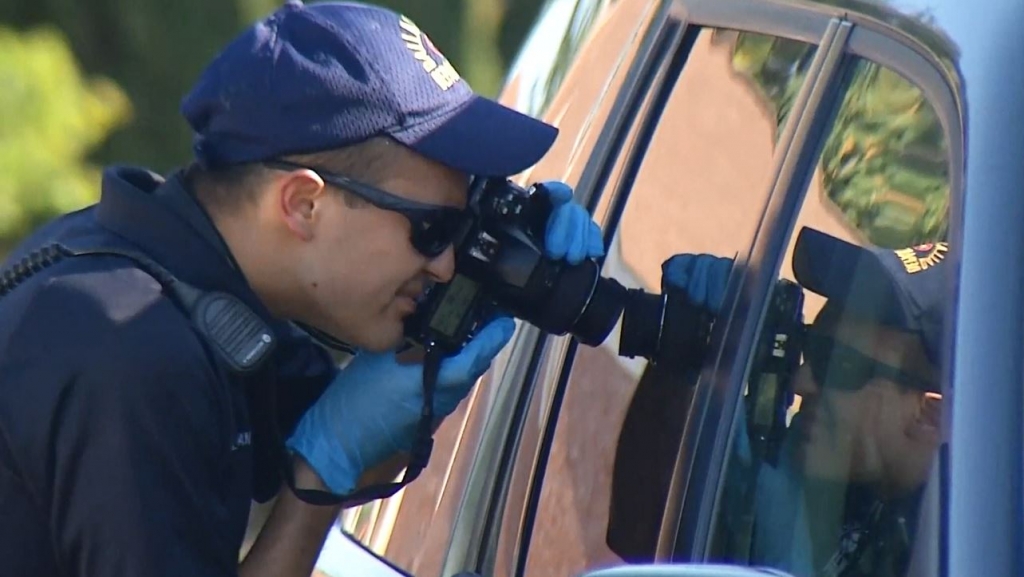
x,y
141,411
843,499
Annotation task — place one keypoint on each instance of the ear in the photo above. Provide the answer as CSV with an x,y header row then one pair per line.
x,y
926,423
298,196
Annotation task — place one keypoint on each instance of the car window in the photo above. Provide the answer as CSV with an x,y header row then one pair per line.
x,y
702,186
834,455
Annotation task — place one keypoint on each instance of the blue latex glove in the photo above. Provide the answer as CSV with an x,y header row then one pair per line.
x,y
703,277
570,232
371,410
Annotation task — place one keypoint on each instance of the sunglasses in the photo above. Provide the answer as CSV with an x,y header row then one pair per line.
x,y
434,227
838,366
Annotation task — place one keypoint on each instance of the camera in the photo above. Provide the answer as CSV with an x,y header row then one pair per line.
x,y
668,329
500,266
776,360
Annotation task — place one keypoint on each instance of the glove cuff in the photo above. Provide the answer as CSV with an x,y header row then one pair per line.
x,y
337,473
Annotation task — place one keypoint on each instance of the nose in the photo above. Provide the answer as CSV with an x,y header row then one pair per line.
x,y
803,381
442,267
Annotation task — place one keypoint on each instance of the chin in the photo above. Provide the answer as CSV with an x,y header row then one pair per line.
x,y
380,339
824,461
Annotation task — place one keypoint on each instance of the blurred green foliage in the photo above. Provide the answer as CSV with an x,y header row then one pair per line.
x,y
156,50
778,67
69,70
53,116
885,162
153,49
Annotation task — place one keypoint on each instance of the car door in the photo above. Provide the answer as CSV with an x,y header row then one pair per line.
x,y
612,461
666,178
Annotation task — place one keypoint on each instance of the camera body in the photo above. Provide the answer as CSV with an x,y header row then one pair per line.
x,y
500,268
776,360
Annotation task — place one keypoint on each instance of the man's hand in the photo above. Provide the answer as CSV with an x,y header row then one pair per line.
x,y
371,410
703,277
570,233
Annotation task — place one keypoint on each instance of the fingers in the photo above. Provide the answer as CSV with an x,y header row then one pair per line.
x,y
703,277
559,193
476,357
595,241
578,221
677,270
572,235
699,280
718,280
557,235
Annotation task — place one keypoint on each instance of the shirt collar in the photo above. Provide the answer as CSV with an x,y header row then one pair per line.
x,y
163,218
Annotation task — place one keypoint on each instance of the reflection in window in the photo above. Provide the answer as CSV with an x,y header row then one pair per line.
x,y
776,67
886,163
834,460
701,187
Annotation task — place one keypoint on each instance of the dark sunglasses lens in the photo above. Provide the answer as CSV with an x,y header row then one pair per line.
x,y
832,367
432,235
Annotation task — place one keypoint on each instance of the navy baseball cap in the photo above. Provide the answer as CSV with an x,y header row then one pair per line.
x,y
904,288
331,74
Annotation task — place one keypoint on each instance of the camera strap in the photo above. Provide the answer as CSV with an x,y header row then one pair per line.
x,y
422,447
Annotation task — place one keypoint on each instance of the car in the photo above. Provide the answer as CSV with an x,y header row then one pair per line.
x,y
727,127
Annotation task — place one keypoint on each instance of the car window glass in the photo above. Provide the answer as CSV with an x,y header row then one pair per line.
x,y
833,464
702,185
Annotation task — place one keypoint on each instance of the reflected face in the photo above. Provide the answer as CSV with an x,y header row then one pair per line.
x,y
861,418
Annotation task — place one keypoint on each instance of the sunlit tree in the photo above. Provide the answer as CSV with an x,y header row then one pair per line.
x,y
884,162
53,117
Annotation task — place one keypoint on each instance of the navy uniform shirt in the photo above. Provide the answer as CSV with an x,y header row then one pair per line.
x,y
125,449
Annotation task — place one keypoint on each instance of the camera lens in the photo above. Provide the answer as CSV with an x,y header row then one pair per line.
x,y
579,301
668,329
601,314
641,324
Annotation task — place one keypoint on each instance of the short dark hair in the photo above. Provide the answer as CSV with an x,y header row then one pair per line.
x,y
226,188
